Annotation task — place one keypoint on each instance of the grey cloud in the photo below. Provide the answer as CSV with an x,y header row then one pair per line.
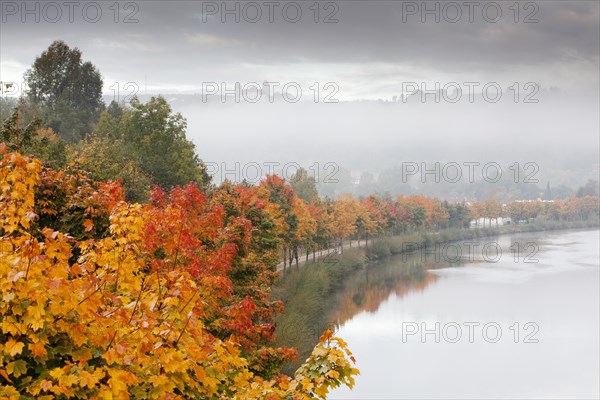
x,y
366,32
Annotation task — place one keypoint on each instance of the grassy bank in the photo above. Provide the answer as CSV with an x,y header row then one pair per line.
x,y
309,292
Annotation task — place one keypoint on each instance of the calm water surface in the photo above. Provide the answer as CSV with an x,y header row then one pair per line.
x,y
435,325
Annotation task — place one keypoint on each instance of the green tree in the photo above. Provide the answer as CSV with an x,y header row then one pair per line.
x,y
108,159
304,185
68,90
21,132
7,106
458,215
144,145
155,137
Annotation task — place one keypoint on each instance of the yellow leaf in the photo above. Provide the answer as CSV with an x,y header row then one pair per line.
x,y
321,391
13,347
326,335
57,373
333,374
68,380
158,380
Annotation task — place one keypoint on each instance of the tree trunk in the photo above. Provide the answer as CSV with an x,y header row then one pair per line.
x,y
284,261
296,255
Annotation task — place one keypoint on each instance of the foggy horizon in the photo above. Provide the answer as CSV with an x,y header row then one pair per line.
x,y
372,116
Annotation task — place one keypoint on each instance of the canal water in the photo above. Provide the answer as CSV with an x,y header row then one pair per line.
x,y
514,316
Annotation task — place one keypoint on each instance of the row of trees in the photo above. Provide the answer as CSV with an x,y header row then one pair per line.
x,y
572,209
325,223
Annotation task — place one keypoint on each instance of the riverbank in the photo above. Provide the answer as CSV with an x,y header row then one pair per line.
x,y
309,292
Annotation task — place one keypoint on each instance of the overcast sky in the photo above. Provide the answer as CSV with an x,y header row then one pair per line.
x,y
372,48
368,50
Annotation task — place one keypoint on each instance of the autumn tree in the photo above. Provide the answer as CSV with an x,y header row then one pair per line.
x,y
396,215
492,210
434,212
590,207
252,273
476,211
345,213
70,201
413,208
516,211
375,218
306,230
282,197
322,212
437,214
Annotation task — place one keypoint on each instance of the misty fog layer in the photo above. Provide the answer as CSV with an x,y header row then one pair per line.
x,y
559,134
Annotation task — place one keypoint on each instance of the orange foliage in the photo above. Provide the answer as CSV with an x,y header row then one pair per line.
x,y
129,313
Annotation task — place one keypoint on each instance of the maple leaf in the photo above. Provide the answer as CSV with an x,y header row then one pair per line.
x,y
17,368
45,385
13,347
